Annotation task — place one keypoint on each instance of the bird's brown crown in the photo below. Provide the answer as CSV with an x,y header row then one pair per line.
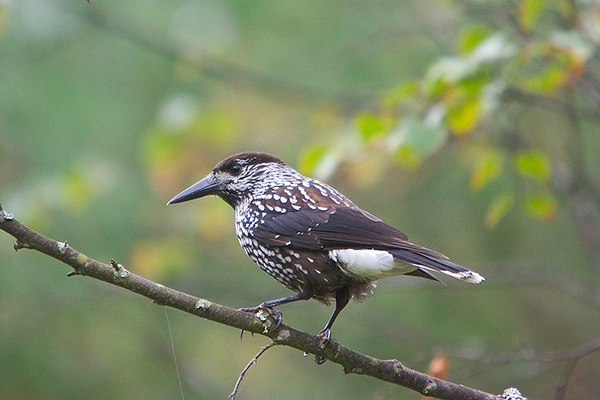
x,y
246,158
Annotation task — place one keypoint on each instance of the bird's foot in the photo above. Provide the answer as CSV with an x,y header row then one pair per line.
x,y
325,336
263,312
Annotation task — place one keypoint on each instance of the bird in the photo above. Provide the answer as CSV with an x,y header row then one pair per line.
x,y
310,237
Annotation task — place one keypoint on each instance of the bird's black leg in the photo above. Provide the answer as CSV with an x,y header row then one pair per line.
x,y
285,300
274,303
278,302
342,297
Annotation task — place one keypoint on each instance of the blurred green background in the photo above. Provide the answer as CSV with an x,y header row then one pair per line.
x,y
471,126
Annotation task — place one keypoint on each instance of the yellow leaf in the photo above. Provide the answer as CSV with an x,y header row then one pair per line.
x,y
471,37
464,116
534,164
486,170
541,207
529,12
369,125
500,206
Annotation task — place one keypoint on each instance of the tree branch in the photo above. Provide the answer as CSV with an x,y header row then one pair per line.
x,y
556,104
217,69
261,323
529,356
581,194
254,360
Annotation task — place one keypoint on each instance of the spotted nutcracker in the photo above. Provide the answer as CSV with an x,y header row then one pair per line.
x,y
310,237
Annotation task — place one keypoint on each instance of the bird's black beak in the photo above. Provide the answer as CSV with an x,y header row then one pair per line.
x,y
197,190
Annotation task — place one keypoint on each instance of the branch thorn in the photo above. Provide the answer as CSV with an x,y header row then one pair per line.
x,y
6,215
62,247
120,271
20,245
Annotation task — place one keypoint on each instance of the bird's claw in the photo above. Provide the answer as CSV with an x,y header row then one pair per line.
x,y
273,313
250,310
320,360
325,336
242,334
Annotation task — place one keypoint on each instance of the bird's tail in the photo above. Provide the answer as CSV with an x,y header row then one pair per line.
x,y
438,264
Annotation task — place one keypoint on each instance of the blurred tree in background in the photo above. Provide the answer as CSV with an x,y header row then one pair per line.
x,y
470,125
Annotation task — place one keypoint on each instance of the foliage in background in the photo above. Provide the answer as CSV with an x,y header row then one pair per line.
x,y
109,108
540,54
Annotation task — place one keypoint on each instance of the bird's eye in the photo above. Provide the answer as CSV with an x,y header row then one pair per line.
x,y
236,169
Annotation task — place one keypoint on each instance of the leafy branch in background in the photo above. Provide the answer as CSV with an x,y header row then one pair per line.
x,y
261,323
535,55
537,60
544,68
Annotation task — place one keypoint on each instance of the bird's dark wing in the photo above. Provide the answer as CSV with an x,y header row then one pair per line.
x,y
336,228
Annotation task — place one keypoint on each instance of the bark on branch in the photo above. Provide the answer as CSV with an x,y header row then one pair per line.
x,y
261,323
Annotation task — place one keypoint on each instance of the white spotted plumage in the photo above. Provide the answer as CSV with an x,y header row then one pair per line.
x,y
276,188
310,237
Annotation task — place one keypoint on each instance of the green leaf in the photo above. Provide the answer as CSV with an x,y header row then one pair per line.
x,y
541,206
370,125
498,209
486,170
443,74
471,37
448,73
551,78
534,164
529,12
310,157
465,115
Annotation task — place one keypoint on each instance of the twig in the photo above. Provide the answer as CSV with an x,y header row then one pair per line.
x,y
233,394
220,70
352,361
562,389
589,85
545,102
581,195
528,356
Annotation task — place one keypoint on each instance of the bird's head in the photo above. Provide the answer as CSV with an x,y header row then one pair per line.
x,y
233,179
